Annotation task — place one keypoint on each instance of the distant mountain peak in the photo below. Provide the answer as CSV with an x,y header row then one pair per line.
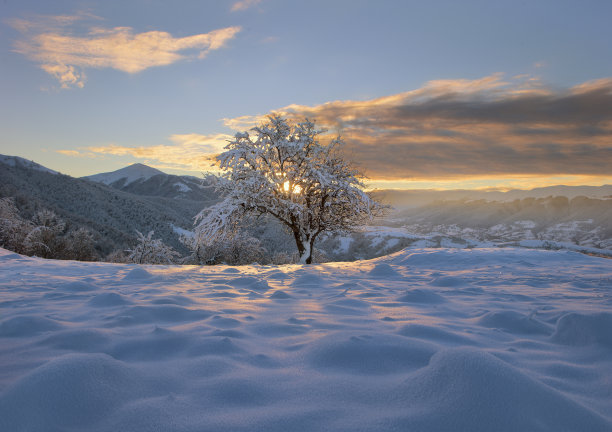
x,y
129,174
139,165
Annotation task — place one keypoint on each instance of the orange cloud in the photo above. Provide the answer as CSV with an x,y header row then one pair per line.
x,y
472,128
51,42
189,152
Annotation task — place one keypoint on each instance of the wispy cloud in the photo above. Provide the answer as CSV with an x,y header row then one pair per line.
x,y
64,49
244,5
188,152
73,153
459,128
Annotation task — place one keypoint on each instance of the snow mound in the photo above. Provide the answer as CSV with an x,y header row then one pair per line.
x,y
383,270
108,300
164,314
173,300
6,255
136,274
216,347
434,334
448,281
370,354
514,322
582,329
224,322
78,286
462,389
69,392
80,340
308,280
419,295
250,282
231,270
280,295
27,325
157,345
222,294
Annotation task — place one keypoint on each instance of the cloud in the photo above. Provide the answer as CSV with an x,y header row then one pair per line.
x,y
244,5
61,50
188,152
73,153
471,128
245,122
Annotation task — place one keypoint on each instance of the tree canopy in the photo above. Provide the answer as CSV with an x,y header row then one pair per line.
x,y
283,170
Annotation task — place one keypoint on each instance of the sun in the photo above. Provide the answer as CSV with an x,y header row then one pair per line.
x,y
296,189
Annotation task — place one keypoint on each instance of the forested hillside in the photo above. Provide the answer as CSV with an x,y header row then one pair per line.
x,y
112,215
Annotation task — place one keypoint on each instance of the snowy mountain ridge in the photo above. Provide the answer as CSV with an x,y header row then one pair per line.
x,y
127,175
143,180
19,161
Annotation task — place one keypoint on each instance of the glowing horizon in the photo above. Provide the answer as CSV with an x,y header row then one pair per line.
x,y
490,183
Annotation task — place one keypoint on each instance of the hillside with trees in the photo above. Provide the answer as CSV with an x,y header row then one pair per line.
x,y
111,215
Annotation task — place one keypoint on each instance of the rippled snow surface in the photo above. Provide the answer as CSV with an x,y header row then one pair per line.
x,y
422,340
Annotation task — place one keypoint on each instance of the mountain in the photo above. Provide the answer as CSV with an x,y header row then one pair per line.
x,y
125,176
414,198
143,180
111,214
21,162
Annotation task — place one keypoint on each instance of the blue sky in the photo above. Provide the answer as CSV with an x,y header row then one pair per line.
x,y
438,94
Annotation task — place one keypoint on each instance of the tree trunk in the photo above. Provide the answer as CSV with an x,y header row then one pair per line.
x,y
306,256
310,249
304,247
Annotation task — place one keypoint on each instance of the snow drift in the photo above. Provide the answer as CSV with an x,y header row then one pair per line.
x,y
444,340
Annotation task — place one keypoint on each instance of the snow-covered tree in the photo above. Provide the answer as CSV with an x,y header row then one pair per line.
x,y
238,250
13,228
118,256
152,251
45,239
80,245
284,171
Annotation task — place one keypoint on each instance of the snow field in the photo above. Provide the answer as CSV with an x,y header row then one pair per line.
x,y
422,340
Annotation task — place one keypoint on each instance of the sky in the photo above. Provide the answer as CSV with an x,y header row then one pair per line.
x,y
437,94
